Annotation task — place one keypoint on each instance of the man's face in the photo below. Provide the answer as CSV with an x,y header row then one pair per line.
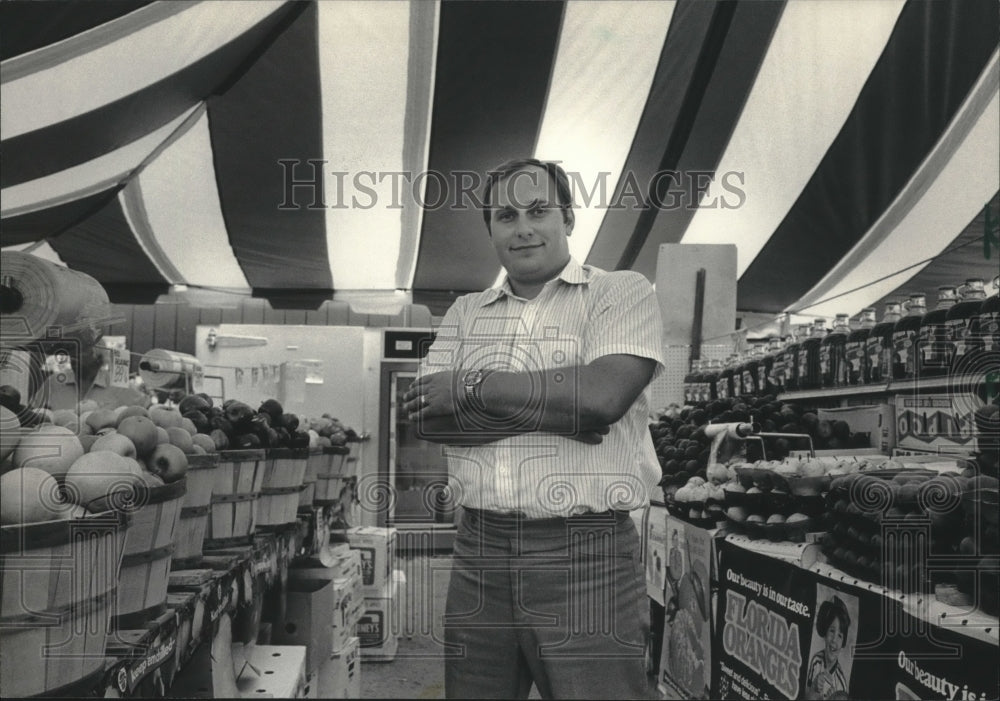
x,y
528,228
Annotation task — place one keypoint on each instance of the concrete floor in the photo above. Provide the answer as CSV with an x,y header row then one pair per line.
x,y
417,671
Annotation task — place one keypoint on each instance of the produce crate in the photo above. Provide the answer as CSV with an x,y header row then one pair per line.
x,y
58,584
239,479
284,473
278,506
315,461
149,545
195,511
331,477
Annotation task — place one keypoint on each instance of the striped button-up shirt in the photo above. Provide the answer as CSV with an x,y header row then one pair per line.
x,y
583,314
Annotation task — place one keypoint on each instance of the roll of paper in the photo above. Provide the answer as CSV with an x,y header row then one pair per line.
x,y
41,300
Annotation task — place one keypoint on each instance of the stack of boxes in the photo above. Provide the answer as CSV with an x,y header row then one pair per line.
x,y
323,607
378,627
344,610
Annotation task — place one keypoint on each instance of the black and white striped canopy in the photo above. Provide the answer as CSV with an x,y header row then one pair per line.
x,y
300,150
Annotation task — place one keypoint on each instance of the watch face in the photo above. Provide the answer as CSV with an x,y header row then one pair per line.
x,y
472,377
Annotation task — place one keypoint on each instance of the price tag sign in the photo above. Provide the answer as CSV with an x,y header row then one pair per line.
x,y
119,368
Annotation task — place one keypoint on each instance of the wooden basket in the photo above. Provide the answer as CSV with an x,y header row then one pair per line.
x,y
331,475
58,582
239,478
285,467
195,511
149,545
315,461
278,506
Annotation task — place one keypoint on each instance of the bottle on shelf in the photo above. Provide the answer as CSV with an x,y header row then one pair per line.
x,y
832,363
750,372
961,322
808,356
690,382
933,341
766,379
712,373
855,354
792,357
878,347
904,338
723,379
987,324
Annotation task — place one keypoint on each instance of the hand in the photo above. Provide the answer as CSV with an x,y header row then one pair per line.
x,y
591,437
431,395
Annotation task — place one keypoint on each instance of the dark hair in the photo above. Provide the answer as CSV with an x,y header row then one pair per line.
x,y
828,610
508,168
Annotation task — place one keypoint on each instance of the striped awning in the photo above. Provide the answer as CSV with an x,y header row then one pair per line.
x,y
301,150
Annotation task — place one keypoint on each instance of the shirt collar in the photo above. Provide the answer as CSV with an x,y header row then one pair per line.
x,y
573,273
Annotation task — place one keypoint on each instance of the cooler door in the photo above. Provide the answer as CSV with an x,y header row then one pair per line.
x,y
417,470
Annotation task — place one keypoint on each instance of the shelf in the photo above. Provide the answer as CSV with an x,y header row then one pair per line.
x,y
834,392
932,384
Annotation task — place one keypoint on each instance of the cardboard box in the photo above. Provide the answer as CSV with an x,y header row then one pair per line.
x,y
378,629
308,619
656,553
941,422
877,420
377,547
281,672
340,675
312,686
348,599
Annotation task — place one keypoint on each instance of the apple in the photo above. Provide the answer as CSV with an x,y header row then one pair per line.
x,y
101,479
141,431
10,432
219,438
180,437
188,425
775,518
168,462
65,417
165,417
813,468
49,447
755,518
796,518
151,480
87,441
116,443
132,411
736,513
29,495
161,435
101,418
205,441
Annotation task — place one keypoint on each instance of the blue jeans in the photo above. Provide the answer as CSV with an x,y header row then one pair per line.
x,y
560,603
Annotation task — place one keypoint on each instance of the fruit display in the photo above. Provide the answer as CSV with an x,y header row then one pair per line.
x,y
783,500
887,525
99,459
682,446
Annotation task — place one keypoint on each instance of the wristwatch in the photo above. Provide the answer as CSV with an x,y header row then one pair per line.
x,y
473,383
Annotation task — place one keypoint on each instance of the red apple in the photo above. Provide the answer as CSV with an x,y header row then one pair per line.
x,y
168,462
